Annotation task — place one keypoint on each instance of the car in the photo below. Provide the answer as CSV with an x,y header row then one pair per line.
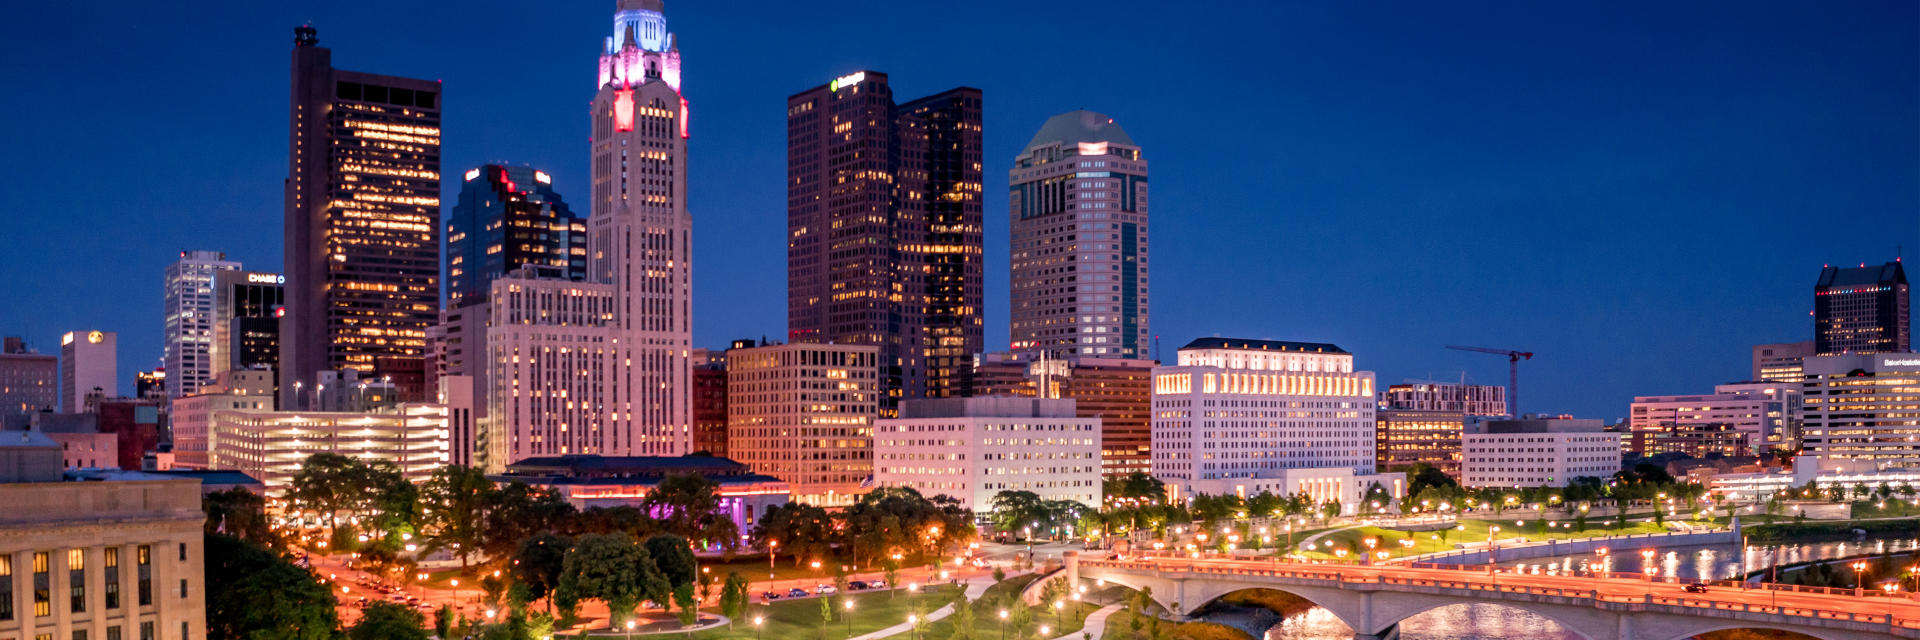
x,y
825,590
770,595
1695,588
877,584
796,592
980,562
856,585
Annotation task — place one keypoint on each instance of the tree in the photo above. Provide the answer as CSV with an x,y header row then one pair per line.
x,y
673,562
242,514
688,505
689,607
328,483
962,617
804,531
1423,476
733,597
253,593
538,564
388,621
516,512
891,569
443,622
393,501
609,568
455,500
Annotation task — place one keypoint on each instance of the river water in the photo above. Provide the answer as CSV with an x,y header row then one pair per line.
x,y
1497,622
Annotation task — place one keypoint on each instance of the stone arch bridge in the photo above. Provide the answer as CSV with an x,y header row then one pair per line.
x,y
1373,600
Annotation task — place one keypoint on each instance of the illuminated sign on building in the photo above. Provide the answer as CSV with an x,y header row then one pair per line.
x,y
473,173
1900,362
542,177
846,80
1093,148
265,278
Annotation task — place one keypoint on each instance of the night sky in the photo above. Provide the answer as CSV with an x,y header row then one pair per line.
x,y
1636,193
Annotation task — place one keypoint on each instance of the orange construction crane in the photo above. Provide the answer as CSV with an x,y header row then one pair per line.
x,y
1514,357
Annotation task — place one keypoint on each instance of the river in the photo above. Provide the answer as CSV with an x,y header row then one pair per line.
x,y
1497,622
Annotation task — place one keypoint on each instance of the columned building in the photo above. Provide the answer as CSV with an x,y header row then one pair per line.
x,y
362,217
189,331
1862,310
884,243
804,413
1078,199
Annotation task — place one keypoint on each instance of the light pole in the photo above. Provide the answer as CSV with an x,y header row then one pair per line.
x,y
849,605
1859,576
757,622
1003,624
629,629
913,626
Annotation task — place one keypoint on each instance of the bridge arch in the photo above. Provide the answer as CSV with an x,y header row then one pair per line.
x,y
1581,626
1333,603
1719,625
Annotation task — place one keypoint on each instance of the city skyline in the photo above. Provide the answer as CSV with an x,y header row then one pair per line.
x,y
1339,261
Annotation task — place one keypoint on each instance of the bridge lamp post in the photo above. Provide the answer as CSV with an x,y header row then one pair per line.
x,y
1646,556
1491,560
1890,588
1859,575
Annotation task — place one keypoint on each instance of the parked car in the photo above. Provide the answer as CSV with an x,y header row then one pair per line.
x,y
825,590
1695,588
856,585
770,595
877,584
796,592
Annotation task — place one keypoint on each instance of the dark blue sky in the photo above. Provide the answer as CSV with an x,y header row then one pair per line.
x,y
1637,192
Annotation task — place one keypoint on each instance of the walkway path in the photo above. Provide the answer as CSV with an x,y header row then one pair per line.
x,y
1096,624
975,587
1316,537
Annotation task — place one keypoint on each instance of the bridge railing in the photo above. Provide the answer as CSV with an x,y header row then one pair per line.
x,y
1310,572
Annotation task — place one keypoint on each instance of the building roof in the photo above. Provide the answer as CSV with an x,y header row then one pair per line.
x,y
1079,126
600,466
210,476
27,440
1889,273
1262,345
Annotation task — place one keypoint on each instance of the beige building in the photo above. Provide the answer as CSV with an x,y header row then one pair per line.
x,y
971,449
116,559
192,415
270,445
804,413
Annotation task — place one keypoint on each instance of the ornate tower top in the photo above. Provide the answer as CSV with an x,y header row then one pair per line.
x,y
640,48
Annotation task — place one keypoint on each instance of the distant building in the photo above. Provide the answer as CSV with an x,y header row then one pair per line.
x,y
1405,437
1235,411
139,425
884,229
589,481
1780,362
710,401
1119,392
1469,399
189,328
192,415
1078,196
1860,411
362,218
973,448
121,557
506,217
88,449
246,323
1538,453
804,413
1739,419
88,361
150,385
29,381
1862,310
271,445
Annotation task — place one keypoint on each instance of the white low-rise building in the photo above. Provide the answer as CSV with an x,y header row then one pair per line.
x,y
1538,453
973,448
271,445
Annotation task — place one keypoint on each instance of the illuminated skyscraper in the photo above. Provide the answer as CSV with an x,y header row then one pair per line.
x,y
506,217
1078,202
362,214
1862,310
189,309
883,222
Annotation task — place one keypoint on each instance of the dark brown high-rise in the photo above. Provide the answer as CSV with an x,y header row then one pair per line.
x,y
362,214
883,229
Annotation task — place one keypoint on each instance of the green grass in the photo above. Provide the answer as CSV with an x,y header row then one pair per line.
x,y
1475,531
754,567
986,615
800,619
1120,627
1895,508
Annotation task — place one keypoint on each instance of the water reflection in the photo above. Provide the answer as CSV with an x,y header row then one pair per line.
x,y
1717,562
1454,622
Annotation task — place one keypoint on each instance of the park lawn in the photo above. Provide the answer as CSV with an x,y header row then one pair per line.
x,y
1475,531
754,567
1120,627
1894,508
986,614
799,619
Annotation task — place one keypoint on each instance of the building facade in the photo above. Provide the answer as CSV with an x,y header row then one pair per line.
x,y
29,381
191,416
1780,362
1862,310
1078,197
188,333
505,217
973,448
804,413
1116,391
710,401
88,361
129,565
1538,453
362,217
1860,410
1469,399
884,242
1403,438
246,320
555,371
1235,409
271,445
1735,420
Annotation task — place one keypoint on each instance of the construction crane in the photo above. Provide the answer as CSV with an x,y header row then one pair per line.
x,y
1513,372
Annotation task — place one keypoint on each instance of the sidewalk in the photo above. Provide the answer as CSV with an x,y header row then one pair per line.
x,y
1096,624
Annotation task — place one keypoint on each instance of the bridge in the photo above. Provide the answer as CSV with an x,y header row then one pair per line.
x,y
1373,600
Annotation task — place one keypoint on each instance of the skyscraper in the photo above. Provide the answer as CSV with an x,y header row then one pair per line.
x,y
246,325
1862,310
88,361
1078,200
507,217
884,229
362,213
189,329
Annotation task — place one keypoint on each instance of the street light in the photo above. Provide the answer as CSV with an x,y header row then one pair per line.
x,y
913,626
1859,573
1003,624
849,604
757,621
629,629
